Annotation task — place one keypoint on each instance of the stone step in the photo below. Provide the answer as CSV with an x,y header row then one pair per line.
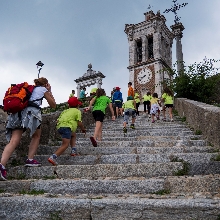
x,y
109,207
129,149
96,171
132,158
208,184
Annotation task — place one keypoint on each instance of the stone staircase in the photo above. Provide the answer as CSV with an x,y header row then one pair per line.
x,y
157,171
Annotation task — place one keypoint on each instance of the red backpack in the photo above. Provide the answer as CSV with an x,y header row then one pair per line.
x,y
17,97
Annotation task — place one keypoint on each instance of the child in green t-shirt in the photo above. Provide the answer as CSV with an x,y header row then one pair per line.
x,y
99,103
67,124
129,108
167,98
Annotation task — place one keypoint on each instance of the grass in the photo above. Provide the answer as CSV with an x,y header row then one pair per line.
x,y
15,163
175,112
20,176
55,215
32,192
184,170
198,132
183,119
48,177
216,158
2,190
162,192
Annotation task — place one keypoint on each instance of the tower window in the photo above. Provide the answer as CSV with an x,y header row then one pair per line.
x,y
139,51
150,48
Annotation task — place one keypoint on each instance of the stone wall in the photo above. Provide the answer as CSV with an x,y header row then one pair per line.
x,y
49,135
202,117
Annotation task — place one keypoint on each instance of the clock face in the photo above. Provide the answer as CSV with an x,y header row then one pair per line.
x,y
144,76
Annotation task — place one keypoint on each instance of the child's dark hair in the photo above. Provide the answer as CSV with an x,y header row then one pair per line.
x,y
168,91
148,93
155,95
130,83
100,92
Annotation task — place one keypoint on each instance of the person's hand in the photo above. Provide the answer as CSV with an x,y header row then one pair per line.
x,y
48,87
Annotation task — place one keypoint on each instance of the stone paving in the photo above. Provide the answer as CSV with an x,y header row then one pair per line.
x,y
157,171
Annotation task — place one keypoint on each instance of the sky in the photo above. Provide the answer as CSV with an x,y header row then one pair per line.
x,y
67,35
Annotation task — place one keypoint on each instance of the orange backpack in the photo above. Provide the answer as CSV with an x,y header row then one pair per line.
x,y
17,97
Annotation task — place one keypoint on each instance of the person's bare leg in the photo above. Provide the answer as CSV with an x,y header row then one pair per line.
x,y
63,147
10,147
34,144
170,113
73,140
117,112
99,137
98,126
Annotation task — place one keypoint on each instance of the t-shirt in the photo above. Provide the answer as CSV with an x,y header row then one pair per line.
x,y
69,118
130,91
93,90
147,97
154,101
136,98
82,94
38,93
128,105
101,103
71,95
167,99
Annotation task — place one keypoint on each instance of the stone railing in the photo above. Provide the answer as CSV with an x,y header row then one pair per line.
x,y
201,117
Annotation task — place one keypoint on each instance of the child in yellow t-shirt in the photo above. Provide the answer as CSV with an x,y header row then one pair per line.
x,y
67,124
155,108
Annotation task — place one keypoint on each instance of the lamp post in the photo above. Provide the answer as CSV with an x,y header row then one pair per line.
x,y
39,64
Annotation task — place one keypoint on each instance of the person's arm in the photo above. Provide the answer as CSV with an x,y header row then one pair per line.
x,y
80,124
49,96
91,103
112,111
134,104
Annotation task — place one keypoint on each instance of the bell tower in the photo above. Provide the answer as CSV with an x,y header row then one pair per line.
x,y
150,52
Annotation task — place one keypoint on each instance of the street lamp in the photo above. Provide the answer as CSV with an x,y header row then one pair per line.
x,y
39,64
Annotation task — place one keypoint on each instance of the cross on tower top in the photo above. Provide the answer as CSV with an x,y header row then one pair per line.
x,y
174,9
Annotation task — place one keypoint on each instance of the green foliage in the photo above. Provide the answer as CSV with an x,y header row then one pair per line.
x,y
32,192
2,190
15,163
55,215
198,81
216,158
183,119
198,132
162,192
184,170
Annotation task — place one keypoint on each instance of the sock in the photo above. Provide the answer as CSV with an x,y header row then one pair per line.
x,y
73,149
3,166
54,156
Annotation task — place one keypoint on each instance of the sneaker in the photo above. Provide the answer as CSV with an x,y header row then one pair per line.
x,y
158,117
164,119
74,153
132,126
2,173
149,116
153,121
171,120
52,160
125,130
32,163
94,143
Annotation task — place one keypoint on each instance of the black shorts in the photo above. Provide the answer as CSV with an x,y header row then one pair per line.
x,y
98,115
169,105
118,104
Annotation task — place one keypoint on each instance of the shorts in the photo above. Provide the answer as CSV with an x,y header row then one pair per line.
x,y
129,112
169,105
118,104
98,115
65,132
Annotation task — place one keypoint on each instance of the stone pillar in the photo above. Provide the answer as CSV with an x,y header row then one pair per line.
x,y
99,82
78,90
144,48
178,33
